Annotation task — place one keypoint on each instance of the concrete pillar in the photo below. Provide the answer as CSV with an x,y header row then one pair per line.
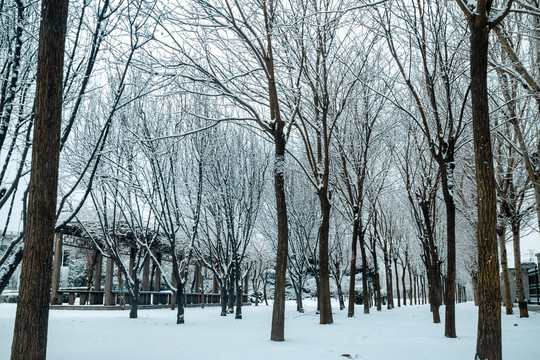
x,y
146,275
109,271
98,272
197,278
55,298
157,274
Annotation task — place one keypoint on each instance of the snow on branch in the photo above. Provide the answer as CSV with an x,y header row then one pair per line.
x,y
499,15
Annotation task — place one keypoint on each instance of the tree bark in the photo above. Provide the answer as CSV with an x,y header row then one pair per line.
x,y
278,311
223,300
32,317
365,288
239,291
488,343
411,285
397,283
230,290
324,273
388,277
522,302
378,299
404,287
352,278
180,301
501,233
133,312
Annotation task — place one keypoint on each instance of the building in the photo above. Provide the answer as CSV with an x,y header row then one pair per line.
x,y
529,276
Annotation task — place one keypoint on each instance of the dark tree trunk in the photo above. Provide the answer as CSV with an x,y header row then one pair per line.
x,y
230,289
378,298
411,285
340,294
298,291
318,290
397,284
324,273
239,291
434,295
404,287
447,176
278,311
180,302
388,277
224,299
352,279
365,288
32,317
501,233
265,295
522,301
417,280
135,299
488,343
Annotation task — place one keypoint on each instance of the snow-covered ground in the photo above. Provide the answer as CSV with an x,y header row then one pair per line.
x,y
400,334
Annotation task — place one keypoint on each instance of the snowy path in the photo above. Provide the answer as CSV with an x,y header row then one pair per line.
x,y
400,334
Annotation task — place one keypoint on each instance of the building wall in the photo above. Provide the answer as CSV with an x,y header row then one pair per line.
x,y
525,267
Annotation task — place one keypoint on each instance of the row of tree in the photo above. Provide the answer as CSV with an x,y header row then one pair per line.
x,y
365,112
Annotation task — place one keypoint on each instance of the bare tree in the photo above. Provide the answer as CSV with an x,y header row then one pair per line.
x,y
439,99
252,25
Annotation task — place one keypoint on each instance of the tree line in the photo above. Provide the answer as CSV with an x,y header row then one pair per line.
x,y
407,128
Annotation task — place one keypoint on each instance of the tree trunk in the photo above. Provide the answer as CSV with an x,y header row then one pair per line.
x,y
522,302
447,176
416,292
180,302
299,300
278,311
397,283
255,285
488,343
352,279
230,289
224,299
388,273
32,317
265,296
298,292
340,293
324,273
239,291
501,233
404,287
411,285
135,299
378,299
365,288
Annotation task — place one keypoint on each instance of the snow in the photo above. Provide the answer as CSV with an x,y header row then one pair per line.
x,y
403,333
